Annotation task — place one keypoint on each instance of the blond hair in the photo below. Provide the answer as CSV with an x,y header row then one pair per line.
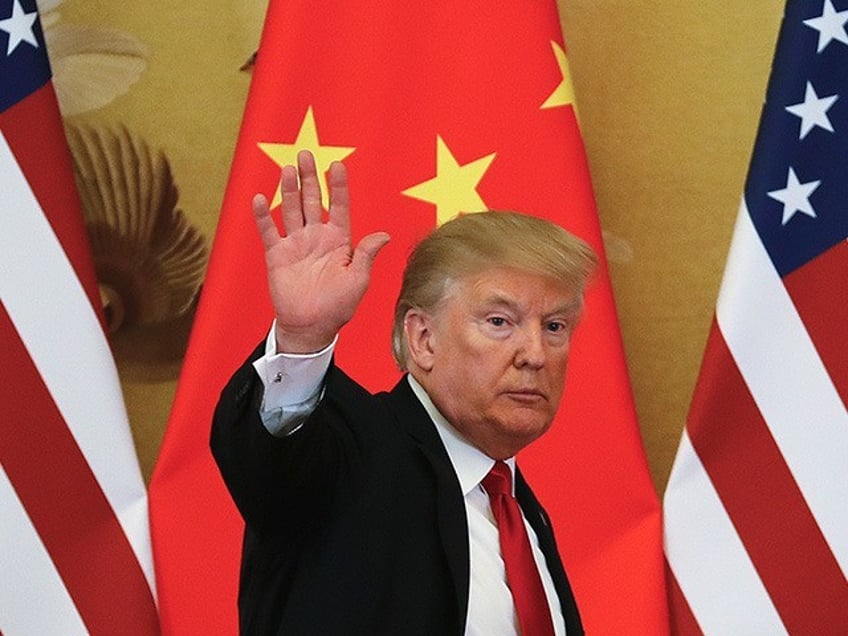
x,y
473,243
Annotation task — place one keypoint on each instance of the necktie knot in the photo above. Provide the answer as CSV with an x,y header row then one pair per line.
x,y
498,481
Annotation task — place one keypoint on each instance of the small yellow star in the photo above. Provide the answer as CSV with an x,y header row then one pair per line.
x,y
454,188
307,139
563,94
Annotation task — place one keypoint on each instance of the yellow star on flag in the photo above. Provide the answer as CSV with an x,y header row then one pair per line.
x,y
454,188
563,94
307,139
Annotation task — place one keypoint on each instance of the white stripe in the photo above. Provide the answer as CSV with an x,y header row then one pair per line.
x,y
709,561
33,599
788,381
59,328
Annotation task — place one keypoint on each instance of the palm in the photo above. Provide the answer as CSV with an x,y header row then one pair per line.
x,y
310,278
316,279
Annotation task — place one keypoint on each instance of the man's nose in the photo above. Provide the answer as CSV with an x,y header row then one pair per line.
x,y
530,351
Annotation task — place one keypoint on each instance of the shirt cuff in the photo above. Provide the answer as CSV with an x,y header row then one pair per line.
x,y
292,384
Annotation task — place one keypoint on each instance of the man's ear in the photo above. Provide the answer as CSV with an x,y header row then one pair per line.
x,y
418,330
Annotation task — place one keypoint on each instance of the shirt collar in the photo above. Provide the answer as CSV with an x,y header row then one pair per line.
x,y
469,463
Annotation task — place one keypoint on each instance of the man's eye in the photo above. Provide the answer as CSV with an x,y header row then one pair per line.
x,y
497,321
556,327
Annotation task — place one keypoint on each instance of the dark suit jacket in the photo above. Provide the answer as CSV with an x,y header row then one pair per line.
x,y
355,524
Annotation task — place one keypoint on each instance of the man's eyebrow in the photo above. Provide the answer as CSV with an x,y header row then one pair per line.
x,y
571,308
500,300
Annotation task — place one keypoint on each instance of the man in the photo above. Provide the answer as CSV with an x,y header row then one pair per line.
x,y
393,513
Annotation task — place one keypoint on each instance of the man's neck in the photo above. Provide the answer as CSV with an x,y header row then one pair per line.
x,y
469,463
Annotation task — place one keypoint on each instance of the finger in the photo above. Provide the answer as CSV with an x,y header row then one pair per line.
x,y
292,212
310,188
268,231
367,250
339,196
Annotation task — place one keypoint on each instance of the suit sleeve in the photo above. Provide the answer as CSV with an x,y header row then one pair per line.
x,y
276,482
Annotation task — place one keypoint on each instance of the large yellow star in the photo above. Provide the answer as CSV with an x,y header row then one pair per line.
x,y
454,188
307,139
563,94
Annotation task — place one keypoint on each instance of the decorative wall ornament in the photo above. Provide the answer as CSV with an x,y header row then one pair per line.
x,y
91,65
150,260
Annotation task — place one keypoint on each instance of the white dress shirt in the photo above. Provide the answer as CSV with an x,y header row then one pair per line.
x,y
293,389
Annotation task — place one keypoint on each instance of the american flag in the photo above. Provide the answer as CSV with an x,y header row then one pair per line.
x,y
756,509
75,553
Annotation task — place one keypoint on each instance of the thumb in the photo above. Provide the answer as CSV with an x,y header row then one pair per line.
x,y
366,251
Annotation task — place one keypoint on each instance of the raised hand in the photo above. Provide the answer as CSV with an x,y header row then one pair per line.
x,y
315,276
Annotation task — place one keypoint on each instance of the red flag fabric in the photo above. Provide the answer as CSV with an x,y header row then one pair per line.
x,y
756,508
436,108
75,551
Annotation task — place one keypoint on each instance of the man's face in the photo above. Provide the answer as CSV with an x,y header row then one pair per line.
x,y
494,355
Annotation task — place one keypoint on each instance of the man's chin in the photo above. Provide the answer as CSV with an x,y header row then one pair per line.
x,y
522,431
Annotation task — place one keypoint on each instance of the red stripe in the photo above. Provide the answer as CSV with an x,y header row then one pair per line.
x,y
819,290
762,499
65,503
681,619
36,136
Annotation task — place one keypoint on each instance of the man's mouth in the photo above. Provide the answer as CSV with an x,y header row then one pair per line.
x,y
528,395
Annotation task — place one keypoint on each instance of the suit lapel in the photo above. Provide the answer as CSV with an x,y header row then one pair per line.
x,y
541,524
453,524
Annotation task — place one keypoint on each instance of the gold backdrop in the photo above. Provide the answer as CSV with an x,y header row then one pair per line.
x,y
669,94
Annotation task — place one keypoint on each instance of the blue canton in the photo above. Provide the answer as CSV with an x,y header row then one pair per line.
x,y
26,68
804,56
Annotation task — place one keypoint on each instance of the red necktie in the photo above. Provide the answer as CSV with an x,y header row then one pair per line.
x,y
522,575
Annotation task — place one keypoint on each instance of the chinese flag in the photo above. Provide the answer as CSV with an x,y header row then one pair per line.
x,y
436,108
